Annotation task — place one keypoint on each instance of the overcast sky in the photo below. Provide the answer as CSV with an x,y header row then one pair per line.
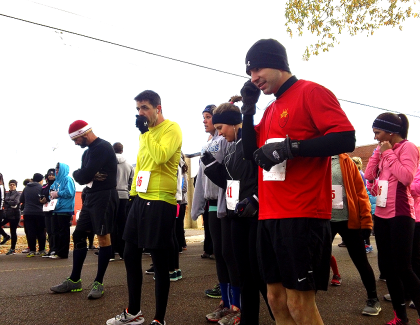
x,y
49,79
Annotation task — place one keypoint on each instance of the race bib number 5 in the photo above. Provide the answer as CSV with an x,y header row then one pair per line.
x,y
337,197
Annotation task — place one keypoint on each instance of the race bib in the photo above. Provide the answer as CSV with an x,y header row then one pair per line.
x,y
337,197
49,206
142,181
232,194
277,172
382,194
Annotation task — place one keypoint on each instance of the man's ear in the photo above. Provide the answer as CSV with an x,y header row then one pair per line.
x,y
159,109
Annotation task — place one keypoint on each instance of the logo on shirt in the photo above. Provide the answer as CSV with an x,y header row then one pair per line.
x,y
284,118
214,147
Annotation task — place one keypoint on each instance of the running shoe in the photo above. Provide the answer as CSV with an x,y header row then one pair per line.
x,y
26,250
156,322
369,249
215,292
47,255
218,313
336,280
396,321
41,253
342,244
233,318
387,297
412,305
54,257
173,276
179,274
5,239
31,254
151,270
11,252
97,290
126,318
373,307
68,286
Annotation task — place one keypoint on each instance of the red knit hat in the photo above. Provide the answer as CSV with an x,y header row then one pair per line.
x,y
78,128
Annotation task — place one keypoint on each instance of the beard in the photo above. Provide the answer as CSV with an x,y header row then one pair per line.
x,y
84,143
153,120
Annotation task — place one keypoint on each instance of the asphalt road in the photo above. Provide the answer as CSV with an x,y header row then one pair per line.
x,y
25,297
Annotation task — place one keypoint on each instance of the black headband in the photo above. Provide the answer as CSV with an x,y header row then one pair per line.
x,y
386,126
227,117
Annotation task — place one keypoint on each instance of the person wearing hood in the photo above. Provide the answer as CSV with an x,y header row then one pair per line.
x,y
11,208
45,193
64,191
34,216
125,174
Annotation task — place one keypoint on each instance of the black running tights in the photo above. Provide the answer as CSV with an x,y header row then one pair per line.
x,y
394,238
132,260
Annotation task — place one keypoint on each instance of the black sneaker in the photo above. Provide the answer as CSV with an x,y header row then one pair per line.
x,y
5,239
215,292
151,270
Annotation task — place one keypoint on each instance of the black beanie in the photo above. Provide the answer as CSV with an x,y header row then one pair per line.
x,y
266,53
37,177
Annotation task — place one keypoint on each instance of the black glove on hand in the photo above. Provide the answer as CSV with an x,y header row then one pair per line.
x,y
250,94
207,158
247,208
273,153
366,233
142,123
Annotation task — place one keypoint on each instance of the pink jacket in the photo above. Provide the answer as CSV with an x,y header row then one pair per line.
x,y
415,192
397,166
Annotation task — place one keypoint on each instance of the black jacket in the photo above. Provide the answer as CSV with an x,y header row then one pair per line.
x,y
100,157
234,163
30,198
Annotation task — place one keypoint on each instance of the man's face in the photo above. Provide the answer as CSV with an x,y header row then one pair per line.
x,y
208,122
12,186
81,141
146,109
266,79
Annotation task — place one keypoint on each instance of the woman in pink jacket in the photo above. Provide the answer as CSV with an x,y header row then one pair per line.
x,y
390,172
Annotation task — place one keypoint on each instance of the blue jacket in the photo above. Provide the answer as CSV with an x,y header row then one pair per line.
x,y
64,184
372,200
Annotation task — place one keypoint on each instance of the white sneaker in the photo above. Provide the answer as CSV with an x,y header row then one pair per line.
x,y
126,318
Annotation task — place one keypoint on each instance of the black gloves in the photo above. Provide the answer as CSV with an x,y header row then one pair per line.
x,y
273,153
207,158
142,123
250,94
247,208
366,233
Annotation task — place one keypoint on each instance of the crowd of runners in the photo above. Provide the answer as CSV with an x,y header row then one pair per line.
x,y
273,196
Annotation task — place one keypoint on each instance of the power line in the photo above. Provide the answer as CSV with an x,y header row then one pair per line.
x,y
124,46
382,109
169,58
